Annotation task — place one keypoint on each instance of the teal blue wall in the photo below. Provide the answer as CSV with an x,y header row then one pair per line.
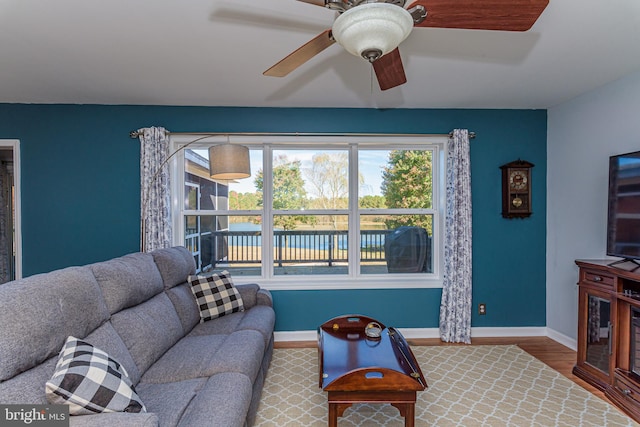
x,y
80,198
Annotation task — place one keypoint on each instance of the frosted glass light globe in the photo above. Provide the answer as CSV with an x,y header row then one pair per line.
x,y
372,30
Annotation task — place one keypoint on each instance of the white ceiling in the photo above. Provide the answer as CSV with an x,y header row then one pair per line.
x,y
213,52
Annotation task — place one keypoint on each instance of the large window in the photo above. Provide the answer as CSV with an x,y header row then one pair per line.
x,y
318,212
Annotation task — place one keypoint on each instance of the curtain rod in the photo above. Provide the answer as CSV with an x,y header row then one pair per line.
x,y
136,134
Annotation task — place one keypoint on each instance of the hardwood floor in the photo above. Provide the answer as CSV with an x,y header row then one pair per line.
x,y
545,349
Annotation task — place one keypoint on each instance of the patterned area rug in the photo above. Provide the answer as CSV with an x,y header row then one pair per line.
x,y
468,386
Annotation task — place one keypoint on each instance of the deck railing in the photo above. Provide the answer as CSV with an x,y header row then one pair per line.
x,y
308,246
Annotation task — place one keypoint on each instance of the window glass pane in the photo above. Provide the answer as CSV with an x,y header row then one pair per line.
x,y
396,244
225,242
310,244
191,196
241,194
393,179
310,179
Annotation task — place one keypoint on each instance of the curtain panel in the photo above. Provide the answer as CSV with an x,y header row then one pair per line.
x,y
155,203
455,307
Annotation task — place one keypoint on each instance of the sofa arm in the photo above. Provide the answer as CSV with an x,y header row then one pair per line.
x,y
253,295
249,294
264,297
115,419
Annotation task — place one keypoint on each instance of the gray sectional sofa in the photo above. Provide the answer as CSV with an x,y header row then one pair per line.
x,y
140,310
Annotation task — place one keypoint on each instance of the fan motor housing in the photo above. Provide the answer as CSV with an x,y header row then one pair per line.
x,y
342,6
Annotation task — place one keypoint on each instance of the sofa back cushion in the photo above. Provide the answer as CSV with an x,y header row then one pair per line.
x,y
128,280
107,339
148,329
174,264
38,313
185,305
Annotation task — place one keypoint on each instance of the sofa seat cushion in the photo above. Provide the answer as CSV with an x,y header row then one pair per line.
x,y
221,326
90,381
28,386
260,318
116,419
170,400
203,356
223,401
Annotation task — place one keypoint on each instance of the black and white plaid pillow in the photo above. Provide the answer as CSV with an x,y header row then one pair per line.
x,y
215,295
90,382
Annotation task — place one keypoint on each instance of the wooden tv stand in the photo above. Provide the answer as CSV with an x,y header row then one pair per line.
x,y
608,301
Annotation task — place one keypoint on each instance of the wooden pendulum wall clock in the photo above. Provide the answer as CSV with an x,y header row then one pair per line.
x,y
516,189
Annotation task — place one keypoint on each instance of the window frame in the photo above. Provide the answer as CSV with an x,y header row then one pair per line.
x,y
354,279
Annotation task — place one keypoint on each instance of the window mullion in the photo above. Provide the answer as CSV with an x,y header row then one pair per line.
x,y
177,183
267,215
354,218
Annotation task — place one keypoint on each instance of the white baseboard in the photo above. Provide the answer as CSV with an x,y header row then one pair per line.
x,y
562,339
291,336
525,331
413,333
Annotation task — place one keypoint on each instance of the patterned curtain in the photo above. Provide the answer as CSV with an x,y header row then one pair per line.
x,y
155,203
455,307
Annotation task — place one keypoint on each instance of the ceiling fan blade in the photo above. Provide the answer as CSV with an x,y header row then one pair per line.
x,y
502,15
301,55
315,2
389,70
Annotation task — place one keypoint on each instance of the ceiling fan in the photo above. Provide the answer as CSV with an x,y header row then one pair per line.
x,y
373,29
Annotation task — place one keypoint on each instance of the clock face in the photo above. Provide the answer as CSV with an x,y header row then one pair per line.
x,y
518,180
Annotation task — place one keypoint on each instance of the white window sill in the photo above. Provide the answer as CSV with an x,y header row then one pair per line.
x,y
301,282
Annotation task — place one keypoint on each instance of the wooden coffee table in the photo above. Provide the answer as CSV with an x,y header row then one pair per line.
x,y
354,368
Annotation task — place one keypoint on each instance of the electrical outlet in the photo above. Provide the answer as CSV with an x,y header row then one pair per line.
x,y
482,309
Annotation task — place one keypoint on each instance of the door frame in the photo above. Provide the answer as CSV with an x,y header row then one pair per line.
x,y
14,145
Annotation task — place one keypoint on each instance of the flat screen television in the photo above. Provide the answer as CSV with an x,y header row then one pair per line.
x,y
623,223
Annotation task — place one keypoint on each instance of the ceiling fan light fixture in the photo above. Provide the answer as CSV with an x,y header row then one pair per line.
x,y
372,30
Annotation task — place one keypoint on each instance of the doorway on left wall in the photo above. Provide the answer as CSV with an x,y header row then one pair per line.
x,y
10,232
